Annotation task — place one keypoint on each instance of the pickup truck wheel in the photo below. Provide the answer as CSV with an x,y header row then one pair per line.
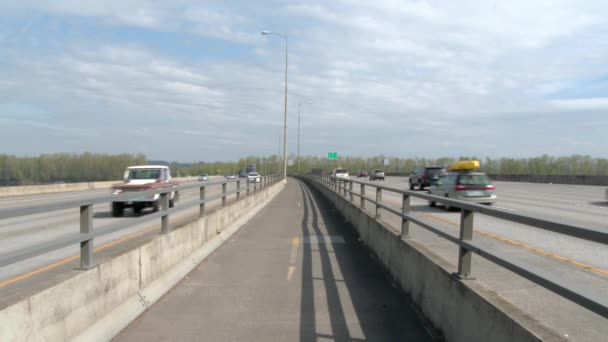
x,y
411,186
117,209
420,186
174,201
432,204
156,205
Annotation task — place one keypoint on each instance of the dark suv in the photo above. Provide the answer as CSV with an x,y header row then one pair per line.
x,y
426,176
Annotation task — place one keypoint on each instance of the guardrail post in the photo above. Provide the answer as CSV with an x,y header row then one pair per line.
x,y
378,200
238,189
465,256
86,227
223,194
350,190
164,219
248,187
405,223
362,192
201,206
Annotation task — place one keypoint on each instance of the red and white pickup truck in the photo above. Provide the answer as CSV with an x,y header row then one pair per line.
x,y
141,178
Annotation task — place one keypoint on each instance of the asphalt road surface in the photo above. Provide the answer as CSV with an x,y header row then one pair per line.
x,y
26,231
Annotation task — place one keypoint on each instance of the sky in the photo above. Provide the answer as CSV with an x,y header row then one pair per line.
x,y
196,81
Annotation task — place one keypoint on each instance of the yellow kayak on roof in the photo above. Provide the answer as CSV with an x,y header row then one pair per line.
x,y
464,165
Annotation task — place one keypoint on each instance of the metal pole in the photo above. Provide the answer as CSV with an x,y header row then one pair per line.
x,y
201,206
405,210
224,194
299,111
164,220
362,192
238,190
378,200
285,124
86,227
465,256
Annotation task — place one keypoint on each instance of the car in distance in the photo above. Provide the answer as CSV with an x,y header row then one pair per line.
x,y
465,185
254,177
362,174
340,173
242,174
203,177
230,176
425,176
142,178
376,174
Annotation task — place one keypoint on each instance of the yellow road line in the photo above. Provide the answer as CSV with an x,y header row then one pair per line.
x,y
295,242
100,248
525,246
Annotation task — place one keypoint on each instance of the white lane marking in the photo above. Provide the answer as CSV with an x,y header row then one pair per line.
x,y
589,206
503,208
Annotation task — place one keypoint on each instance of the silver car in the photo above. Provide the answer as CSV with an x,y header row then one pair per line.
x,y
254,177
203,177
468,186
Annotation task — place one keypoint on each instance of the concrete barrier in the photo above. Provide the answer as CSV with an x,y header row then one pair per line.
x,y
97,304
66,187
462,310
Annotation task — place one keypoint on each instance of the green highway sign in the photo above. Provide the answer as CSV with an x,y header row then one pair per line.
x,y
332,155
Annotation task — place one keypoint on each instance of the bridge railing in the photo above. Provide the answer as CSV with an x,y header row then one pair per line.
x,y
86,236
467,245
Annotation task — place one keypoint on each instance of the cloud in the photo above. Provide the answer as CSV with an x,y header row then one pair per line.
x,y
581,104
403,78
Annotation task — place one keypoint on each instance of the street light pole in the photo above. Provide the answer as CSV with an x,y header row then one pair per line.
x,y
285,116
299,111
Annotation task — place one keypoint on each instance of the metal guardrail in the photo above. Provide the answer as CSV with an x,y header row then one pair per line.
x,y
468,246
87,234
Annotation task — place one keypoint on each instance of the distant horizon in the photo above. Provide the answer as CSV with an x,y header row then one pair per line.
x,y
155,160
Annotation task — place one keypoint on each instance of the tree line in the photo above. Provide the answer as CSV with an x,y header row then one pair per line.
x,y
575,165
88,167
65,167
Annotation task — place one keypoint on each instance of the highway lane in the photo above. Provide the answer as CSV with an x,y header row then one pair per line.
x,y
572,204
21,232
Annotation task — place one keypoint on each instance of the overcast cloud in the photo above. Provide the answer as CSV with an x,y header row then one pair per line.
x,y
192,80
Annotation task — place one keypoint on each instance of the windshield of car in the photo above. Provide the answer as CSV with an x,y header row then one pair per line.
x,y
255,174
378,171
473,180
341,171
143,174
435,171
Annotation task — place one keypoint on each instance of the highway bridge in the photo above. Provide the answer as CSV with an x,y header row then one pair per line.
x,y
310,260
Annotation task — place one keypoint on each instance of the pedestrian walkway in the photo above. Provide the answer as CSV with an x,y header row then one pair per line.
x,y
295,272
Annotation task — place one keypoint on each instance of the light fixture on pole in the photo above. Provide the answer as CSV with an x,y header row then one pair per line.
x,y
299,111
285,116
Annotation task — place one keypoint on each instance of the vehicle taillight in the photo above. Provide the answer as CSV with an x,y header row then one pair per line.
x,y
460,188
490,187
